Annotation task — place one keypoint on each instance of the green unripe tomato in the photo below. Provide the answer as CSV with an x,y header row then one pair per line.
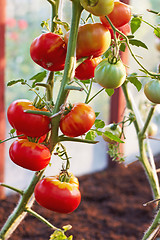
x,y
110,75
152,91
152,129
114,129
98,7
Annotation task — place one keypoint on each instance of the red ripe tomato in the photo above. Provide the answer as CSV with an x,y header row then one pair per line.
x,y
120,15
86,69
39,140
78,121
93,40
125,29
57,196
30,124
49,51
29,155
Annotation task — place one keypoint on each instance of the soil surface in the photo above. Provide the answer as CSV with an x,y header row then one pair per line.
x,y
111,208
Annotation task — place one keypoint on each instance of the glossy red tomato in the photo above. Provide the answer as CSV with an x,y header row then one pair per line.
x,y
86,69
93,40
39,140
57,196
29,155
125,29
49,51
78,121
120,15
32,125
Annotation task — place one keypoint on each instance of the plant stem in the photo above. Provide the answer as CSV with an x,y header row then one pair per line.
x,y
68,71
19,212
152,176
12,188
42,219
155,224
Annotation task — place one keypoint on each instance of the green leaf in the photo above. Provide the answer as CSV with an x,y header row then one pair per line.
x,y
99,123
67,227
112,137
97,114
12,82
91,135
39,77
123,47
135,24
110,92
138,43
59,235
157,31
135,82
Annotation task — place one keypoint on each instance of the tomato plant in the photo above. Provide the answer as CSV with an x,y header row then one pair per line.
x,y
78,121
110,75
152,91
58,196
86,69
114,129
93,40
32,125
98,8
49,51
120,15
29,155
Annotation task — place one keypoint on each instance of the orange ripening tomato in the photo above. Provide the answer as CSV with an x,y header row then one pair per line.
x,y
78,121
93,40
120,15
49,51
57,196
86,69
32,125
29,155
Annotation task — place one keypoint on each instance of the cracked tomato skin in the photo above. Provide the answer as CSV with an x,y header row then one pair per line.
x,y
49,51
57,196
93,40
78,121
32,125
120,15
86,69
29,155
101,8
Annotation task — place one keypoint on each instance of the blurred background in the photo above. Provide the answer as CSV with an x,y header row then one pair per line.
x,y
22,26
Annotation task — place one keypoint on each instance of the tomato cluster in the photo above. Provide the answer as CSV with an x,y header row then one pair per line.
x,y
29,154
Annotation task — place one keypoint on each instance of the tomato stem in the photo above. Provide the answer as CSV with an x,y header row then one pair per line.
x,y
21,192
42,219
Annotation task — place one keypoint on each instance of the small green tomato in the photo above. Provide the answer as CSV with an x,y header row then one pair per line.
x,y
152,91
114,129
110,75
152,129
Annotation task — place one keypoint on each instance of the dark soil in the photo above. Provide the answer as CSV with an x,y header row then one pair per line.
x,y
111,208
